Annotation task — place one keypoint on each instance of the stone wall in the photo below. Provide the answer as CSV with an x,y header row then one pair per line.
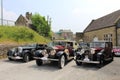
x,y
100,34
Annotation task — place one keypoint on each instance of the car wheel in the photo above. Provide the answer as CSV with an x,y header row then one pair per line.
x,y
101,63
26,58
112,57
10,59
61,62
78,63
39,62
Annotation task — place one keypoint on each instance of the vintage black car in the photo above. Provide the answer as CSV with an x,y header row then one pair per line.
x,y
98,52
25,52
60,51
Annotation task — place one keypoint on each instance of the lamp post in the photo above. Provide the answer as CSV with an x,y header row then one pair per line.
x,y
2,12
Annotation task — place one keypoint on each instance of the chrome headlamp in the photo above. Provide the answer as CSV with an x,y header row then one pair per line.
x,y
52,52
43,52
92,51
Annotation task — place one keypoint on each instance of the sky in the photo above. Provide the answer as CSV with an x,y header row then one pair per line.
x,y
74,15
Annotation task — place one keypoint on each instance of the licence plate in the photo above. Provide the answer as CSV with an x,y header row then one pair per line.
x,y
86,58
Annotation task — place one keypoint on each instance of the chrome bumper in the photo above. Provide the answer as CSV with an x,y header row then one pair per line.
x,y
17,57
46,59
95,62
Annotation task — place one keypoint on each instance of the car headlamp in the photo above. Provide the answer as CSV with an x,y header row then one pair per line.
x,y
52,52
43,52
92,51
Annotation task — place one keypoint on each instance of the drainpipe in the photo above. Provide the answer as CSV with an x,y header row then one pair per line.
x,y
116,35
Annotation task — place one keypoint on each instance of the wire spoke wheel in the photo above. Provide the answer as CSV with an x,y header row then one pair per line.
x,y
61,62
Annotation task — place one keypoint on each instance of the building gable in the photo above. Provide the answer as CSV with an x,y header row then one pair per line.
x,y
21,21
105,21
24,21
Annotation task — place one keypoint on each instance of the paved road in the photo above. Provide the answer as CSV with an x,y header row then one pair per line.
x,y
17,70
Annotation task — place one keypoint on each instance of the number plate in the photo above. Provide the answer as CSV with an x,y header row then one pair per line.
x,y
86,58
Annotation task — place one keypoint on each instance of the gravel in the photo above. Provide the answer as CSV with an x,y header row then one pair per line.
x,y
17,70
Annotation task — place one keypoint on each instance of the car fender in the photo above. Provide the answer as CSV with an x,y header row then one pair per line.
x,y
10,52
100,55
60,53
38,53
25,52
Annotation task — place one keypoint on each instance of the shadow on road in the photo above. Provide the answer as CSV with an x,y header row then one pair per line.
x,y
88,66
14,61
46,67
53,66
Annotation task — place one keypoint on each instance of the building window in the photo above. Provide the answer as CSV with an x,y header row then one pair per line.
x,y
108,37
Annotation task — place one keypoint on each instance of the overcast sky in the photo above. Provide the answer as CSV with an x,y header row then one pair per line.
x,y
65,14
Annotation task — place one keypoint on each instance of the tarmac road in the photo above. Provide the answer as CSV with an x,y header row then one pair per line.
x,y
17,70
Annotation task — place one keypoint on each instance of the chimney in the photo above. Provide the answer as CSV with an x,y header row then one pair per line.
x,y
28,15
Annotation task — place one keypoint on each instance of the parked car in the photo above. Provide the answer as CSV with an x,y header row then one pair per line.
x,y
60,51
98,53
116,50
25,52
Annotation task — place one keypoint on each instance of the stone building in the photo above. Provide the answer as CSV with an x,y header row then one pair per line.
x,y
106,28
24,21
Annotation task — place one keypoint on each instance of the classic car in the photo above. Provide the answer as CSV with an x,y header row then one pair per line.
x,y
60,51
25,52
98,53
116,50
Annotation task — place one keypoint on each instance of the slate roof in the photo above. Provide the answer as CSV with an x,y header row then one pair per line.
x,y
105,21
21,17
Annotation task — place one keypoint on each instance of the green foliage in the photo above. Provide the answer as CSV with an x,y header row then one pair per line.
x,y
20,35
41,25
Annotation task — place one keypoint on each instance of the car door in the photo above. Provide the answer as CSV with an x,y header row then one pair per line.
x,y
108,49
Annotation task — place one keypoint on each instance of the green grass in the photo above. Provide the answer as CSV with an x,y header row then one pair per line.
x,y
20,35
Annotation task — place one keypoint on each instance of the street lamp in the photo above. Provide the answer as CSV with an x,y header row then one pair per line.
x,y
2,12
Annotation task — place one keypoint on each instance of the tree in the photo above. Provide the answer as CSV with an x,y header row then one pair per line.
x,y
41,25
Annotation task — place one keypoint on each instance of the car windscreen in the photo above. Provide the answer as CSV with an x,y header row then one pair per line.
x,y
61,43
83,45
30,45
97,44
56,43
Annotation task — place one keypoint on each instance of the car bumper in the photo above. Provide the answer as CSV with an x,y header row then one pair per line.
x,y
86,61
117,53
94,62
17,57
46,59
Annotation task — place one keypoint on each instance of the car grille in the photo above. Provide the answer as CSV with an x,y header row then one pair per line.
x,y
91,57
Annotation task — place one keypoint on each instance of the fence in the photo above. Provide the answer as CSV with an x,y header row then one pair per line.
x,y
7,22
